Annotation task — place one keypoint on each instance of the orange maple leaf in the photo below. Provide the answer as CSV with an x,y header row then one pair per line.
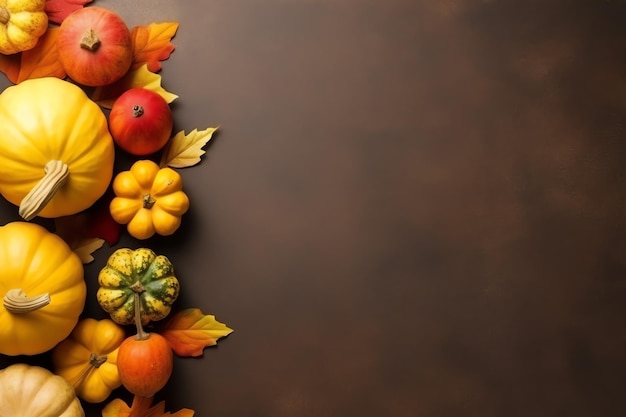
x,y
141,408
41,61
190,331
152,44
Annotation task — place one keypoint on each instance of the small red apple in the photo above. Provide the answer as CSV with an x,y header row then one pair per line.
x,y
140,121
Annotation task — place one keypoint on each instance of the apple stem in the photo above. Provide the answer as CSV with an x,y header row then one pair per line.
x,y
137,110
90,40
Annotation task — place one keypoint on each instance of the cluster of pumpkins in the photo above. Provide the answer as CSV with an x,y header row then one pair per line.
x,y
57,152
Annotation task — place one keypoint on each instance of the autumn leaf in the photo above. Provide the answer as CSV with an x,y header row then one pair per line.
x,y
58,10
151,44
184,151
10,66
88,230
100,222
141,408
41,61
85,247
141,77
189,331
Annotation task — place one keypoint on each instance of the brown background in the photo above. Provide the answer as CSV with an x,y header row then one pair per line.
x,y
413,207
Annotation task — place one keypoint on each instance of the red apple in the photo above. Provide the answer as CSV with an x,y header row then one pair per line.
x,y
141,121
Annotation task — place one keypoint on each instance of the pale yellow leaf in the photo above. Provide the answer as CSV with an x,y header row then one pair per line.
x,y
141,78
185,150
85,247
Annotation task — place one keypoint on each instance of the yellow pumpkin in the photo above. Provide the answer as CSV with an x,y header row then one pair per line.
x,y
88,358
56,152
22,23
33,391
43,288
149,200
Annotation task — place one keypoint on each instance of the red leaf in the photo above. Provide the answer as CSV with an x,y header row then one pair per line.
x,y
58,10
101,224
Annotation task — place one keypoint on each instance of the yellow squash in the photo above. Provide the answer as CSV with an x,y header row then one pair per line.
x,y
88,358
149,200
22,23
33,391
56,152
43,288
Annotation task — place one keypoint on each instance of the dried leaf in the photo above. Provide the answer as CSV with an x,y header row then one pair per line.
x,y
85,247
140,408
189,331
141,77
152,44
186,150
58,10
41,61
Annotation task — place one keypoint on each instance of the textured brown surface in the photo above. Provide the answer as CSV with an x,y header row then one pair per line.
x,y
413,208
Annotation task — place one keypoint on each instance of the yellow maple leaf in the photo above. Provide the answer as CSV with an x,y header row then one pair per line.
x,y
189,331
141,77
184,150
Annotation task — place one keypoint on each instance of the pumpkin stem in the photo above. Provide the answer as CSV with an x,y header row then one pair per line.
x,y
138,288
56,174
90,40
5,16
16,301
148,201
96,360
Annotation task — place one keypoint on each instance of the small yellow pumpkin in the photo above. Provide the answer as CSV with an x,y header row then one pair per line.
x,y
149,200
88,358
33,391
43,288
22,23
56,152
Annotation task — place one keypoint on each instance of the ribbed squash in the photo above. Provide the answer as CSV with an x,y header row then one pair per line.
x,y
33,391
87,359
22,23
56,153
149,200
43,288
137,279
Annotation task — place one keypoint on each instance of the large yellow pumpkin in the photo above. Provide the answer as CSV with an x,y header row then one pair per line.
x,y
56,152
43,288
